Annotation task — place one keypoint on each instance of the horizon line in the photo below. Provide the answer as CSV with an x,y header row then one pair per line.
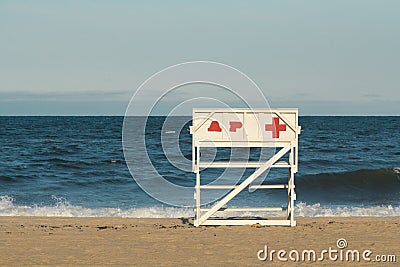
x,y
165,115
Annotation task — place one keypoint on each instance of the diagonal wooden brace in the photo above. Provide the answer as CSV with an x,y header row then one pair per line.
x,y
244,184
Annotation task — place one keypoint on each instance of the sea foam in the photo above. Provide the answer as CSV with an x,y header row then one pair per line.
x,y
63,208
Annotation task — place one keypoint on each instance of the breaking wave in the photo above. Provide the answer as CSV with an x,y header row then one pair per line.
x,y
62,208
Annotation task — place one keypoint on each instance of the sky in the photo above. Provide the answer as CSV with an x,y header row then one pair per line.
x,y
88,57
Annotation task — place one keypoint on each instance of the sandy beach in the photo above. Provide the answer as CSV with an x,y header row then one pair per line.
x,y
175,242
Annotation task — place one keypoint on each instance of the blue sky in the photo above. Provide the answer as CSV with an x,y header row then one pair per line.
x,y
88,57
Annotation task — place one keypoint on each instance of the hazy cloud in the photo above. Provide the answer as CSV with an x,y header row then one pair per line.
x,y
28,96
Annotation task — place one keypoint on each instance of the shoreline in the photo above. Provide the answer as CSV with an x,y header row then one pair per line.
x,y
176,242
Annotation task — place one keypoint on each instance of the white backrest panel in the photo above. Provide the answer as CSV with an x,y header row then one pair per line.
x,y
244,127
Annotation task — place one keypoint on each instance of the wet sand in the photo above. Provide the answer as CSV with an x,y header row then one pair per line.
x,y
176,242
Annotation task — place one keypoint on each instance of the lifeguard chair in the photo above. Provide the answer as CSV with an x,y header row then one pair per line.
x,y
229,128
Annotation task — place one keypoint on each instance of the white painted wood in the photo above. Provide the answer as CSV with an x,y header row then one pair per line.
x,y
245,164
253,127
264,186
244,184
198,183
250,222
249,209
245,128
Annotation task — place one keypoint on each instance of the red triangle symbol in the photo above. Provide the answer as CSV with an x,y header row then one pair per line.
x,y
214,127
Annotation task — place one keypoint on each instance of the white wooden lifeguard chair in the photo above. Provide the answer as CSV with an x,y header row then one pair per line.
x,y
263,128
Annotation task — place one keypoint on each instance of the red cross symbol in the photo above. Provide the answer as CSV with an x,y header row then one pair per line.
x,y
275,127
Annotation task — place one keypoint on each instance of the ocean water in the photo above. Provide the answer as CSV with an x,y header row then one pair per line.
x,y
75,166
